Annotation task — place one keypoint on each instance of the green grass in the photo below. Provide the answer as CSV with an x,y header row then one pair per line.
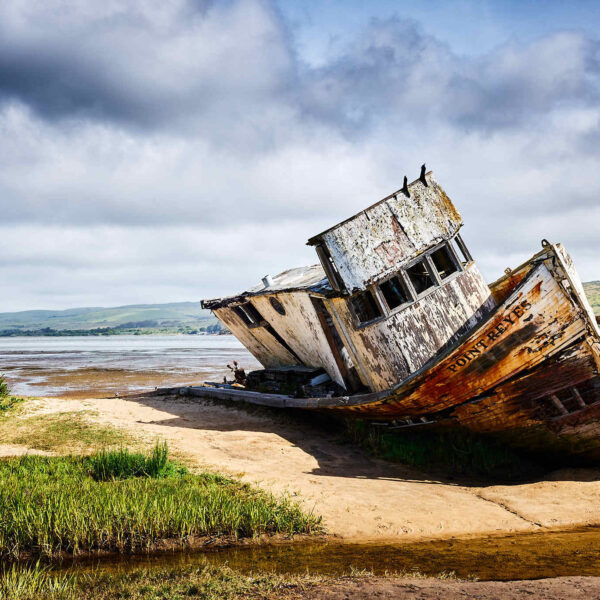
x,y
35,582
49,505
202,583
205,583
122,464
592,290
63,433
7,402
454,452
199,582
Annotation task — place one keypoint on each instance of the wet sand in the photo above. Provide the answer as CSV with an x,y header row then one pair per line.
x,y
573,588
73,366
360,498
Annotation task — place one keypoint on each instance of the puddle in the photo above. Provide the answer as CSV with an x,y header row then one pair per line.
x,y
518,556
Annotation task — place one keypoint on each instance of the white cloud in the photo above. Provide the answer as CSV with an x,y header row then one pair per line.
x,y
186,150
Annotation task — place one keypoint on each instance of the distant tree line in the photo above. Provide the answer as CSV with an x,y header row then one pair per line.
x,y
148,328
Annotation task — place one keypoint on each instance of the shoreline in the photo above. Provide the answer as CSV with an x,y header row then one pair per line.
x,y
559,553
384,520
361,498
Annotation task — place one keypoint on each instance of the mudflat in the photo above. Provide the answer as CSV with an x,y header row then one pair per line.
x,y
573,588
360,498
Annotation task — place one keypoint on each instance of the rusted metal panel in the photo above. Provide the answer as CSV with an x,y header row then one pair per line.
x,y
393,348
382,238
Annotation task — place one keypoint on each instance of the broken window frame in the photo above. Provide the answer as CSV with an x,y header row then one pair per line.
x,y
464,251
329,267
408,289
424,258
376,301
249,315
453,257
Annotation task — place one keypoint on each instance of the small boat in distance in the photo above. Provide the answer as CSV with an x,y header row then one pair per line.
x,y
397,325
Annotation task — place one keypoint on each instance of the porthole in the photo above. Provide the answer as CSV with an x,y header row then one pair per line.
x,y
277,305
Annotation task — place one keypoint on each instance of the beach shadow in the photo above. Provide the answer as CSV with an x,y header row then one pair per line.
x,y
323,437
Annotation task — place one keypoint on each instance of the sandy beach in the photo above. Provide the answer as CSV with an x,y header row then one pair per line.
x,y
359,497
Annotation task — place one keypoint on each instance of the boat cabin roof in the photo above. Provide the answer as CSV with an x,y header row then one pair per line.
x,y
311,278
388,235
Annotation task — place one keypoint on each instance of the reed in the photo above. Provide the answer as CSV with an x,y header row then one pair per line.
x,y
4,390
108,465
50,505
203,582
35,582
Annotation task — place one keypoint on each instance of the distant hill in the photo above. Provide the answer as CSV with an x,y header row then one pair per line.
x,y
184,317
175,317
592,289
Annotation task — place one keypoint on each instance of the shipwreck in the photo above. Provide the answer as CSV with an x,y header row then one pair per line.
x,y
397,325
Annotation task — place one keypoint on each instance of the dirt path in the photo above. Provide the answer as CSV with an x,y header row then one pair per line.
x,y
358,497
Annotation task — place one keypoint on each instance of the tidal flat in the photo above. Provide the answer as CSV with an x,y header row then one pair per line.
x,y
390,527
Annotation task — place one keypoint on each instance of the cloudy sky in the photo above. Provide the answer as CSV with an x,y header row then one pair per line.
x,y
167,150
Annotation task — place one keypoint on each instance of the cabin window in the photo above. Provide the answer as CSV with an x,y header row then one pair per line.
x,y
395,293
420,276
365,306
444,262
463,251
249,314
277,305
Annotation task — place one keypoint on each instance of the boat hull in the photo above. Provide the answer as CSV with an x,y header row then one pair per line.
x,y
530,372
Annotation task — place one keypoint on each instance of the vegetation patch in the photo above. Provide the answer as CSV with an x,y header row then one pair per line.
x,y
202,583
61,432
7,402
592,290
199,582
112,502
35,582
109,465
457,452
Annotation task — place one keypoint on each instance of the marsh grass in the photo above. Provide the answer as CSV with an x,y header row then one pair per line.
x,y
4,389
50,505
455,452
7,401
35,582
201,582
109,465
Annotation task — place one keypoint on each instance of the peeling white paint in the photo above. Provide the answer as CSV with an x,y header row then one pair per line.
x,y
384,237
393,348
301,329
366,248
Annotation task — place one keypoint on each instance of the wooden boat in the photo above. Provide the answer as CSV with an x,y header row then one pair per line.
x,y
525,368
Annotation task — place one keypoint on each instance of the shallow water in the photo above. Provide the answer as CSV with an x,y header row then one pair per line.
x,y
105,365
493,558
